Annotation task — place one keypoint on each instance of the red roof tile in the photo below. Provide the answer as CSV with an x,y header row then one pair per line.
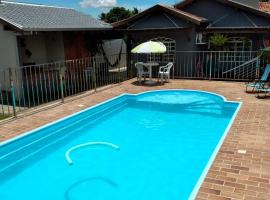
x,y
264,6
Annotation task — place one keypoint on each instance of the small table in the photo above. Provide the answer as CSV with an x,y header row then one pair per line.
x,y
149,66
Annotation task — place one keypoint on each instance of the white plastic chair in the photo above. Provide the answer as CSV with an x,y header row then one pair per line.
x,y
141,73
164,72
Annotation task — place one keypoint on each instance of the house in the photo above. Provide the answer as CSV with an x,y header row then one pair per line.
x,y
33,34
33,38
189,20
189,25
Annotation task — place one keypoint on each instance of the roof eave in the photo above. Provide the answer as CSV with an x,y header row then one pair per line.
x,y
238,29
195,19
262,27
12,25
187,16
66,29
155,29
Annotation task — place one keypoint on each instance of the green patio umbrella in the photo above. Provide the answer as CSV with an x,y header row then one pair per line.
x,y
150,47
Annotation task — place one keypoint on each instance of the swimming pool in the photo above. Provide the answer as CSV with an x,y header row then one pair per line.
x,y
167,142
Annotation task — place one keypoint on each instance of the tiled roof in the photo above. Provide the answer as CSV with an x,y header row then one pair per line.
x,y
264,6
189,15
253,3
247,5
30,17
250,3
224,15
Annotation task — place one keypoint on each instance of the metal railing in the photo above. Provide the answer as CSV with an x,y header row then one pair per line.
x,y
30,86
211,65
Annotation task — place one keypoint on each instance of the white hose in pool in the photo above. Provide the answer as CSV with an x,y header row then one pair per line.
x,y
67,154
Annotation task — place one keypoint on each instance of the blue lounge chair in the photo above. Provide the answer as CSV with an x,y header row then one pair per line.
x,y
259,84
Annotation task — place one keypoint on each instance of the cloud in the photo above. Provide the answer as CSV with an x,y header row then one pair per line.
x,y
98,3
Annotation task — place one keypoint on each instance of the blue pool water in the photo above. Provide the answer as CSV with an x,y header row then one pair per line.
x,y
167,139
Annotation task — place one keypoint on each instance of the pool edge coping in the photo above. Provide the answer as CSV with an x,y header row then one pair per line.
x,y
58,120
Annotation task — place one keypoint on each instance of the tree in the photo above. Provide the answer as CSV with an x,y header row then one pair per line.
x,y
117,14
135,11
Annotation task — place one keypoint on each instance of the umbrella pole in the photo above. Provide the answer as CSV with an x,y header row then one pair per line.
x,y
150,67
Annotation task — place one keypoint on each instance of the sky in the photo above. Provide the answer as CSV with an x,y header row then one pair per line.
x,y
95,7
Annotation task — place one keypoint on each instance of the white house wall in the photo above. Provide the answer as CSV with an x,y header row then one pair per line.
x,y
8,58
37,46
8,49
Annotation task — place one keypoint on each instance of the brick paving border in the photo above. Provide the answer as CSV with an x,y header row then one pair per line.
x,y
233,175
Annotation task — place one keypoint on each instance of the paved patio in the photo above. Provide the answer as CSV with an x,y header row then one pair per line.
x,y
233,175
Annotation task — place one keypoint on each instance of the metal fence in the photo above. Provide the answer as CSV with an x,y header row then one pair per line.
x,y
29,86
213,65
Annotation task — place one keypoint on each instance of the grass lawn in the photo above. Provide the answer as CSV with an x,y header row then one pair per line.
x,y
3,116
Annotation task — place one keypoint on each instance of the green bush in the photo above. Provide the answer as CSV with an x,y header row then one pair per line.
x,y
218,41
2,116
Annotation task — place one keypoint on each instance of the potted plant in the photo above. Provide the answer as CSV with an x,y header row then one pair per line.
x,y
218,41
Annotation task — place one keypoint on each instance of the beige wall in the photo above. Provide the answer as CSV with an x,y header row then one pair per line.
x,y
8,49
8,58
36,45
